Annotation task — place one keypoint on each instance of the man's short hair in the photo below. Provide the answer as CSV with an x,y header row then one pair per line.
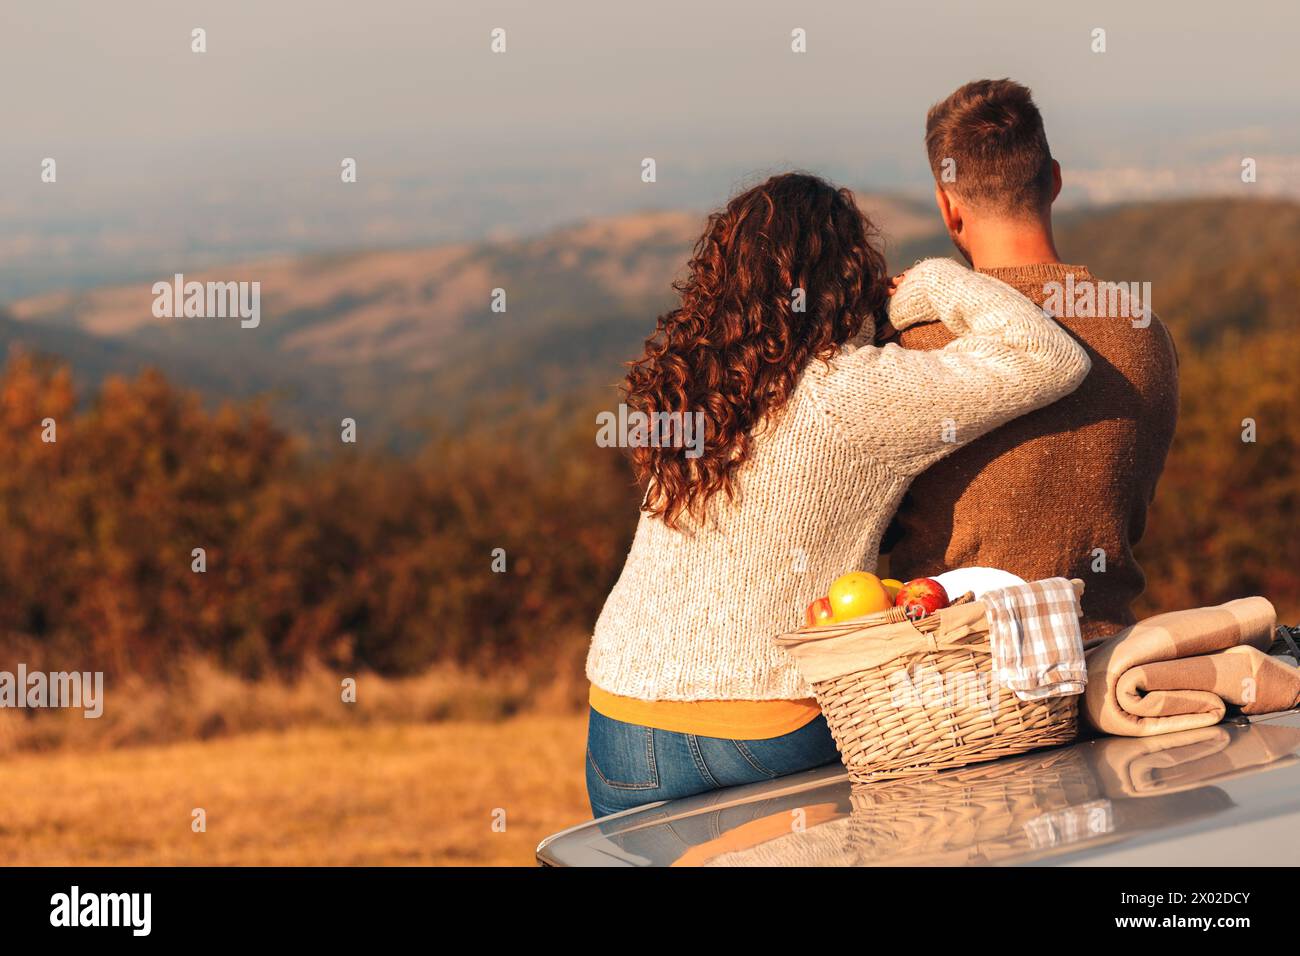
x,y
991,135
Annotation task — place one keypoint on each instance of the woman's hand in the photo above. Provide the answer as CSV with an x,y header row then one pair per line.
x,y
896,281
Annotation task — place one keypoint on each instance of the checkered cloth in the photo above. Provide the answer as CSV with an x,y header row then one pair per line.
x,y
1034,635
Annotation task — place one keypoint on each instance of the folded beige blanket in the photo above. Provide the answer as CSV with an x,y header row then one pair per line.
x,y
1178,671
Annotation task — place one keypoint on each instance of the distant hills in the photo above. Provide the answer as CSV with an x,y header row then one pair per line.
x,y
1215,265
396,337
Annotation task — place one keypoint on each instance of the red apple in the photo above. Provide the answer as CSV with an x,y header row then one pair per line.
x,y
820,612
921,597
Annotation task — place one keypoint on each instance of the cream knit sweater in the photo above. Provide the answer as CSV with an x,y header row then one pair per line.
x,y
693,613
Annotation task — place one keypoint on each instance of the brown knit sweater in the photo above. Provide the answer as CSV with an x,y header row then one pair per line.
x,y
1038,495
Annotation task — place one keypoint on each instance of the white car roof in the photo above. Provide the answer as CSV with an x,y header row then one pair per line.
x,y
1222,795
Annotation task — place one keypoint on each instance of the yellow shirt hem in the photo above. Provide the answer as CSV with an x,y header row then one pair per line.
x,y
728,719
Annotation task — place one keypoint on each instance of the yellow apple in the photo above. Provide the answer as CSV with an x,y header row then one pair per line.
x,y
858,593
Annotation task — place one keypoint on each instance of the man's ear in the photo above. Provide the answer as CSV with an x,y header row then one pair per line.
x,y
1056,180
948,209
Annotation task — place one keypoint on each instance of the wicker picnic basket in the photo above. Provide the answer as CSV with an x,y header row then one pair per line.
x,y
904,699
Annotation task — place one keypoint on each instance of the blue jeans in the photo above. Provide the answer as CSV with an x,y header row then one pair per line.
x,y
629,765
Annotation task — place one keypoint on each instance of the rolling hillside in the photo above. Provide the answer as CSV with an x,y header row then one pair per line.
x,y
397,337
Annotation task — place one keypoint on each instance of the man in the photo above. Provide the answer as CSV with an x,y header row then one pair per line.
x,y
1063,490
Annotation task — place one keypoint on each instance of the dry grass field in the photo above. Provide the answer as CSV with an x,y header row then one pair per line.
x,y
377,794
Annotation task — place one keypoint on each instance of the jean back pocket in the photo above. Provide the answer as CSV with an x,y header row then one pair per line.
x,y
621,755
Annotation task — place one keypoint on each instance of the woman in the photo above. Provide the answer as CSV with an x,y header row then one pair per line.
x,y
812,436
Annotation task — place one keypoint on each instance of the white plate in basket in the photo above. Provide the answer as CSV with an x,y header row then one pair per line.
x,y
978,580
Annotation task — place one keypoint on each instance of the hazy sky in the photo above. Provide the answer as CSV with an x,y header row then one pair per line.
x,y
237,150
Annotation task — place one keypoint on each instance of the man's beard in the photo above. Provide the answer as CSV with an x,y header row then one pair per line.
x,y
961,247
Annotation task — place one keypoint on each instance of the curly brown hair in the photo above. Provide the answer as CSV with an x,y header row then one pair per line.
x,y
736,346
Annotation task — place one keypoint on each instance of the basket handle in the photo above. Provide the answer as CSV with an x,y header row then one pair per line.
x,y
893,615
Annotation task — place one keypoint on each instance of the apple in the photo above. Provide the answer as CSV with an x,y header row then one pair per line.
x,y
892,587
819,612
921,597
857,593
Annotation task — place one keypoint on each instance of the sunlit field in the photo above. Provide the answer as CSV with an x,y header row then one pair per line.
x,y
381,794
